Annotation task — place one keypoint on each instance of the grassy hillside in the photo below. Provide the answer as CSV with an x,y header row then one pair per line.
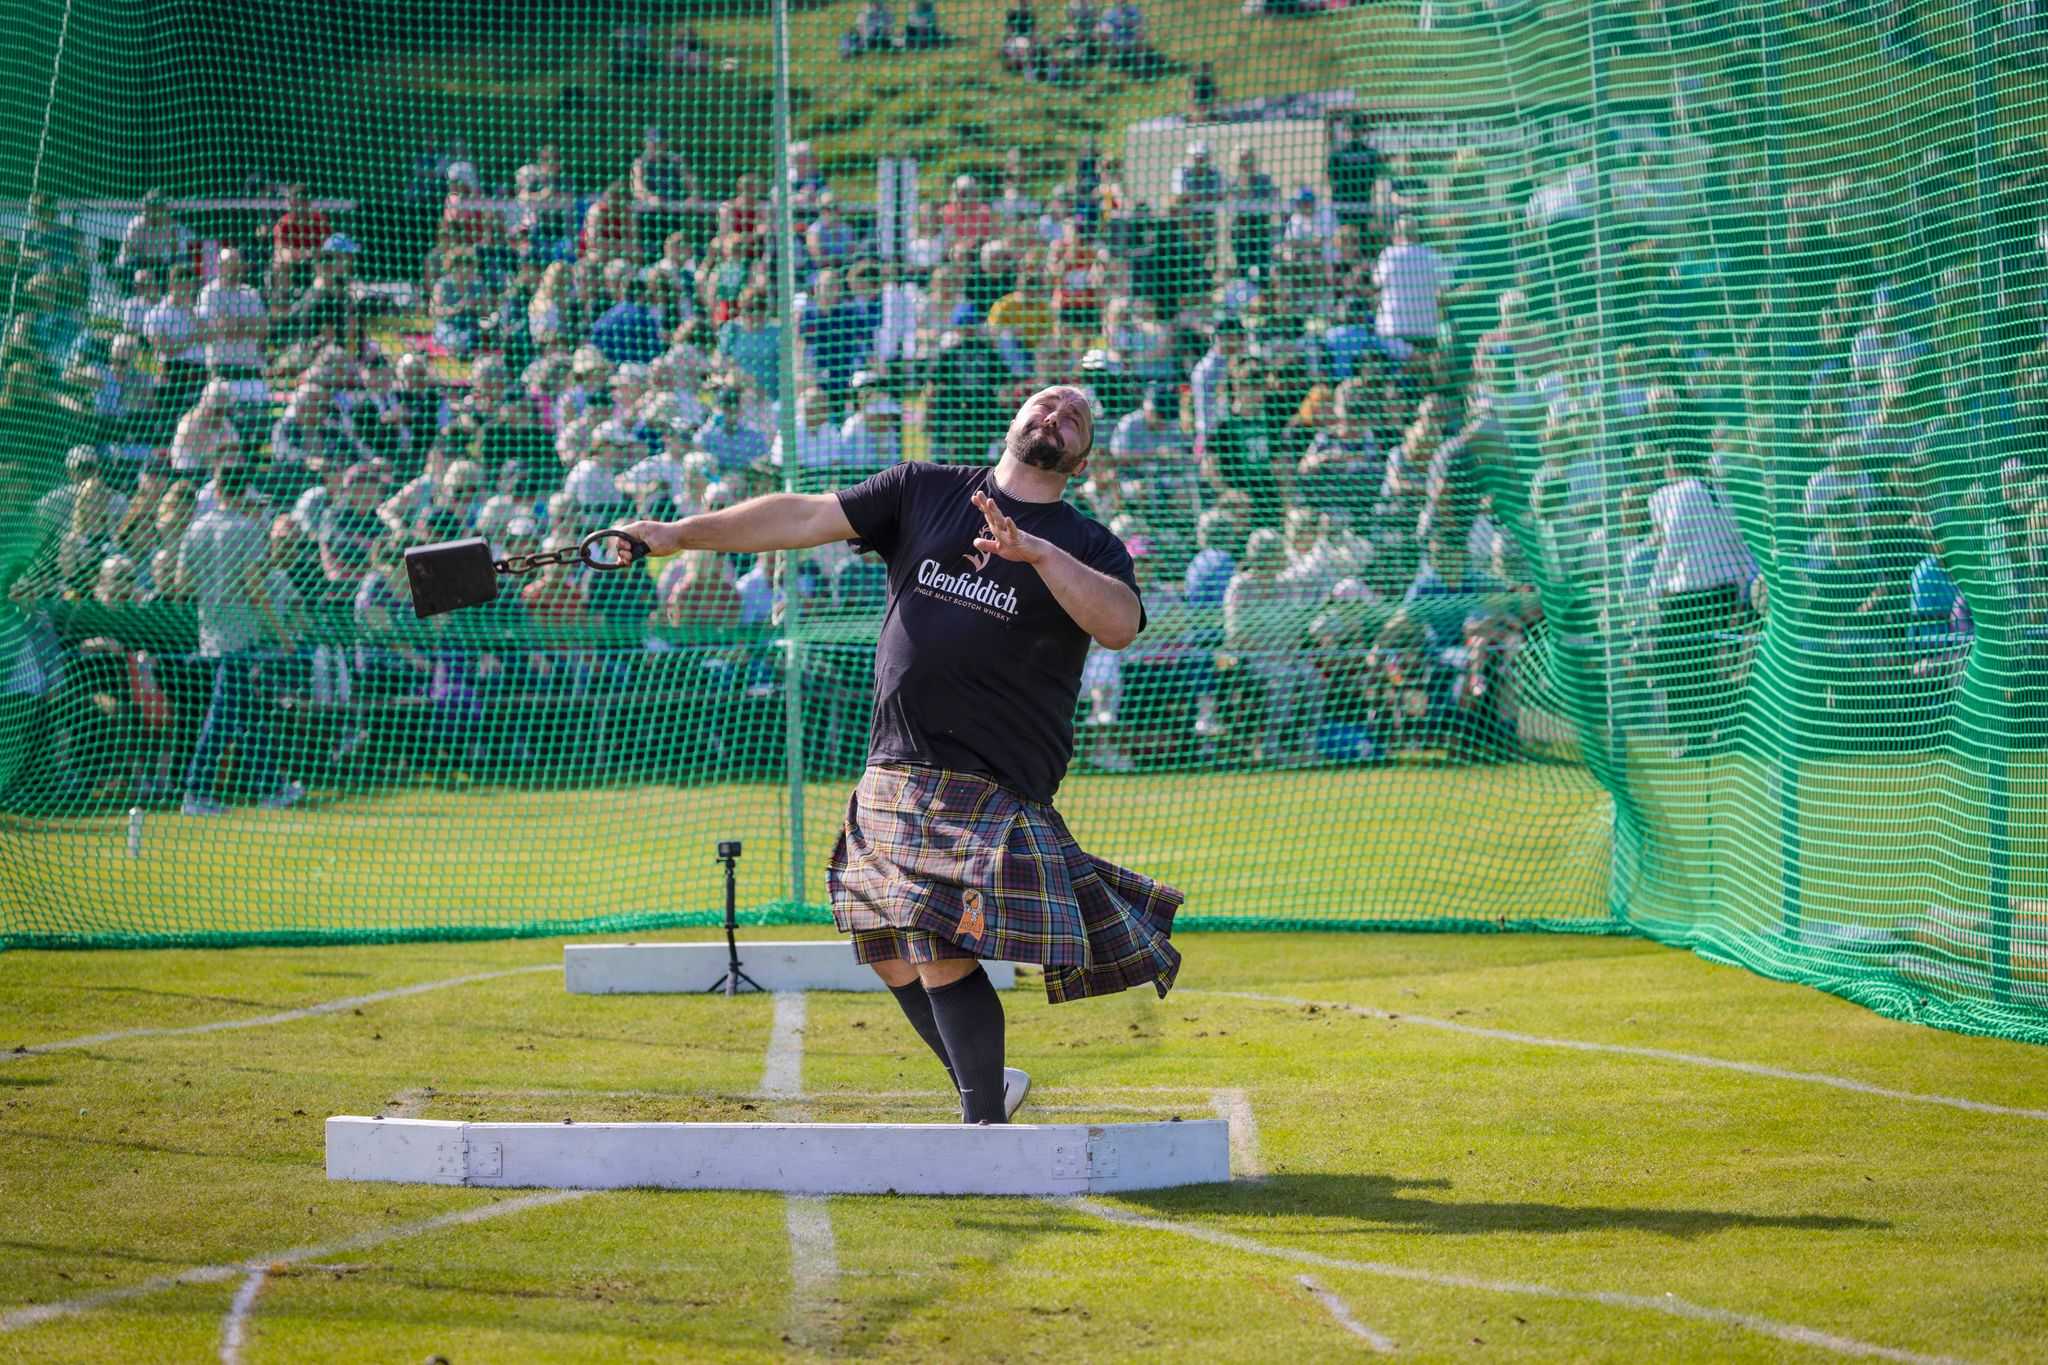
x,y
1848,106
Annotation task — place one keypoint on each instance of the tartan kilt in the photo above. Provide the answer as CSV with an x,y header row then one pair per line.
x,y
934,863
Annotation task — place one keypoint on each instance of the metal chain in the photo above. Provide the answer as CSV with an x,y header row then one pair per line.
x,y
634,550
540,559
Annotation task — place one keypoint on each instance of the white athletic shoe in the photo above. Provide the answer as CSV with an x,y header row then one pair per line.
x,y
202,805
1016,1085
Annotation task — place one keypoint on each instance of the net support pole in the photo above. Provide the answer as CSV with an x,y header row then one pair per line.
x,y
1612,477
1788,840
1773,22
1780,492
785,421
1989,428
1998,799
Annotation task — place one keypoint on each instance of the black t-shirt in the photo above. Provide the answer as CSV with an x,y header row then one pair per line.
x,y
978,666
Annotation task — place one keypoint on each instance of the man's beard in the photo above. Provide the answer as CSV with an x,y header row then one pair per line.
x,y
1042,450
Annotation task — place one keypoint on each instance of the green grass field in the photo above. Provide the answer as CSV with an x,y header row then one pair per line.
x,y
1456,1192
1352,842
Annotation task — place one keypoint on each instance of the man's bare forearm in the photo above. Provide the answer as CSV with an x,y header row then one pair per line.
x,y
776,521
1106,609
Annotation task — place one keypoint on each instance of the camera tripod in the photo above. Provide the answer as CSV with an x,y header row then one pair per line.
x,y
734,980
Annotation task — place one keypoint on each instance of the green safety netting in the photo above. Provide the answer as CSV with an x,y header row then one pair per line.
x,y
1585,460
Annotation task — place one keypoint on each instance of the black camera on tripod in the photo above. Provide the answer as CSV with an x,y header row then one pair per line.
x,y
734,981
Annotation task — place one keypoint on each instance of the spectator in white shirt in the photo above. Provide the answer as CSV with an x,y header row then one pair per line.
x,y
236,323
760,590
456,489
1412,280
901,305
873,434
677,377
926,250
819,445
1262,617
1701,584
593,481
153,237
1320,553
1699,549
1312,223
120,395
205,436
1196,180
678,473
130,312
174,330
1211,401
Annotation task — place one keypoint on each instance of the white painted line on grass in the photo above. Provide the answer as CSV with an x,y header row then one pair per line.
x,y
813,1267
1630,1050
782,1072
813,1250
1667,1304
235,1329
1341,1311
19,1318
1235,1108
283,1017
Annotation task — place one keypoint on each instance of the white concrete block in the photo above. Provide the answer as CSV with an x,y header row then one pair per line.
x,y
415,1152
685,968
793,1158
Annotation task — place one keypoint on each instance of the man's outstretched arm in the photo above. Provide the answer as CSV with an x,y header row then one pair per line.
x,y
776,521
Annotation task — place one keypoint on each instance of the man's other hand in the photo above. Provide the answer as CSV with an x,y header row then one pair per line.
x,y
1002,537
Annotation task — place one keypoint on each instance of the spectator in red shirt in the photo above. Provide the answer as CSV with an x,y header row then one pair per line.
x,y
968,220
609,231
741,215
295,240
467,219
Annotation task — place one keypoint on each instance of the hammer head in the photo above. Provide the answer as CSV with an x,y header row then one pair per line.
x,y
454,573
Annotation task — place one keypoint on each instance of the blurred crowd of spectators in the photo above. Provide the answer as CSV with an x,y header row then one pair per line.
x,y
1363,452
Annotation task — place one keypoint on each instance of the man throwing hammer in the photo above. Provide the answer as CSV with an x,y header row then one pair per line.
x,y
952,852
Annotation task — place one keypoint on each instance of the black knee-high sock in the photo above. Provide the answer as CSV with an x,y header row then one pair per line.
x,y
917,1008
969,1014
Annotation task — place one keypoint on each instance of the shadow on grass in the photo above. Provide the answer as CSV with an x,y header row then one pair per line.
x,y
48,1251
862,1326
176,995
238,1153
1383,1202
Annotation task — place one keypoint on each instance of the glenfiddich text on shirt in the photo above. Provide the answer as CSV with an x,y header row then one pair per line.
x,y
969,587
